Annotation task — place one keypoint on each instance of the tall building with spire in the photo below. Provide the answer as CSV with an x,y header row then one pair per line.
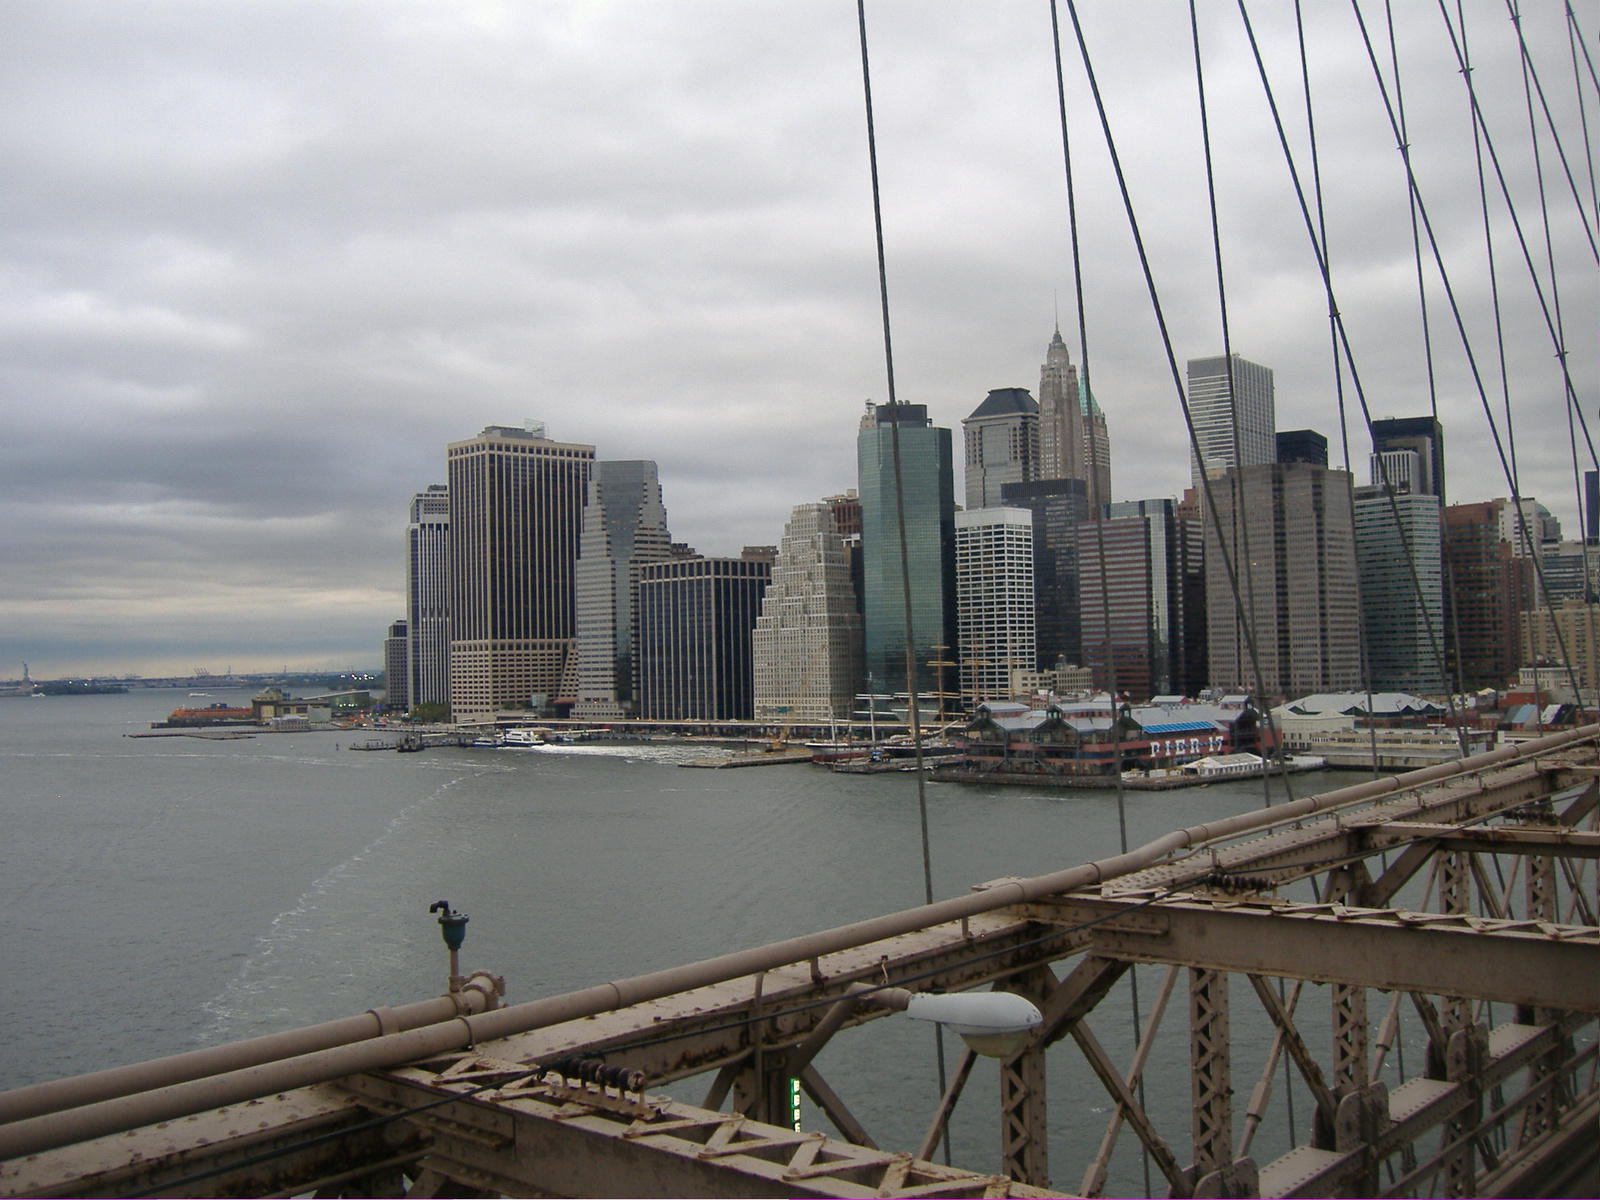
x,y
807,644
1061,427
624,527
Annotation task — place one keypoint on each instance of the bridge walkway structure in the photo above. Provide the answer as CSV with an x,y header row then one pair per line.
x,y
466,1096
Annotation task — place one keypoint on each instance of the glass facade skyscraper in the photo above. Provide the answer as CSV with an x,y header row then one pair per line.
x,y
428,597
928,482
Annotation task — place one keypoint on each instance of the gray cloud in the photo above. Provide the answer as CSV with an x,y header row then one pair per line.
x,y
259,262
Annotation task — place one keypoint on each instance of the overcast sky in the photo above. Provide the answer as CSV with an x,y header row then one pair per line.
x,y
259,262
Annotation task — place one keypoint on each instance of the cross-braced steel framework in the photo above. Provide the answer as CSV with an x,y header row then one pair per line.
x,y
1494,857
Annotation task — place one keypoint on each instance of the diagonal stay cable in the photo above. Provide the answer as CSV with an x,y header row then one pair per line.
x,y
1450,296
913,705
1223,552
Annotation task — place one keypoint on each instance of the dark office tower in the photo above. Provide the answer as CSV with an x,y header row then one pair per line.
x,y
697,617
1424,436
1002,444
1155,583
928,479
1058,506
1490,587
1297,585
1304,446
516,511
394,668
1061,428
624,527
1251,395
1400,650
428,597
1591,507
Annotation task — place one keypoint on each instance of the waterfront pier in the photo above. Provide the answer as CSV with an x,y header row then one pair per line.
x,y
1462,896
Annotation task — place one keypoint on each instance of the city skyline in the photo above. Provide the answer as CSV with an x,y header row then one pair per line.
x,y
257,268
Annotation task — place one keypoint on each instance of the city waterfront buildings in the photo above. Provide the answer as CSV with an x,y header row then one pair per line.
x,y
696,621
1402,596
807,642
1566,635
928,478
994,599
1219,387
1287,530
624,527
1002,444
1154,594
516,512
428,597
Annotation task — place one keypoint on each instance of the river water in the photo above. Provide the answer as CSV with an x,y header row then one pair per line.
x,y
165,893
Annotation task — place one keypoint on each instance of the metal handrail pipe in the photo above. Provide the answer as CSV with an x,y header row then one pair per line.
x,y
56,1095
37,1134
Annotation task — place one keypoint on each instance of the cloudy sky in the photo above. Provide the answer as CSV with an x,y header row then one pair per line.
x,y
259,262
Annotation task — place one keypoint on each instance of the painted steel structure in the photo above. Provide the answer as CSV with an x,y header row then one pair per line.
x,y
561,1096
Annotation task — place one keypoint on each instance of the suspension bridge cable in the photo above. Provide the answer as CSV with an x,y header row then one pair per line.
x,y
1437,643
1166,336
1449,291
1344,339
912,698
1511,208
1447,560
1529,76
1362,641
1583,113
1096,503
1530,71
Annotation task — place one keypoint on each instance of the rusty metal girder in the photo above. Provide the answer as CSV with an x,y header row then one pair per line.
x,y
1510,962
1558,841
522,1141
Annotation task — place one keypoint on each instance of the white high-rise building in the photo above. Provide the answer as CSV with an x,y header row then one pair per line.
x,y
994,599
1252,398
624,526
428,598
807,642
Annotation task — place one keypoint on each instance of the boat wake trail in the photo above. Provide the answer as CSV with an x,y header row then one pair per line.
x,y
304,956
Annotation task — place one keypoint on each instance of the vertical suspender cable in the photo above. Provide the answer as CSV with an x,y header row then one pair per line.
x,y
900,514
1097,503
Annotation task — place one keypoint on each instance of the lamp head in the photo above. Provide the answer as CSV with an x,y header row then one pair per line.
x,y
993,1024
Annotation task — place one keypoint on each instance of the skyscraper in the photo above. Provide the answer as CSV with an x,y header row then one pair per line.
x,y
1059,507
807,643
1096,449
516,511
428,597
1424,436
1400,626
1155,585
1061,426
928,477
1489,587
696,621
1002,444
1209,405
624,526
1297,586
394,668
994,599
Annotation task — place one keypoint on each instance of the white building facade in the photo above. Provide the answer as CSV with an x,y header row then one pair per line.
x,y
994,599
